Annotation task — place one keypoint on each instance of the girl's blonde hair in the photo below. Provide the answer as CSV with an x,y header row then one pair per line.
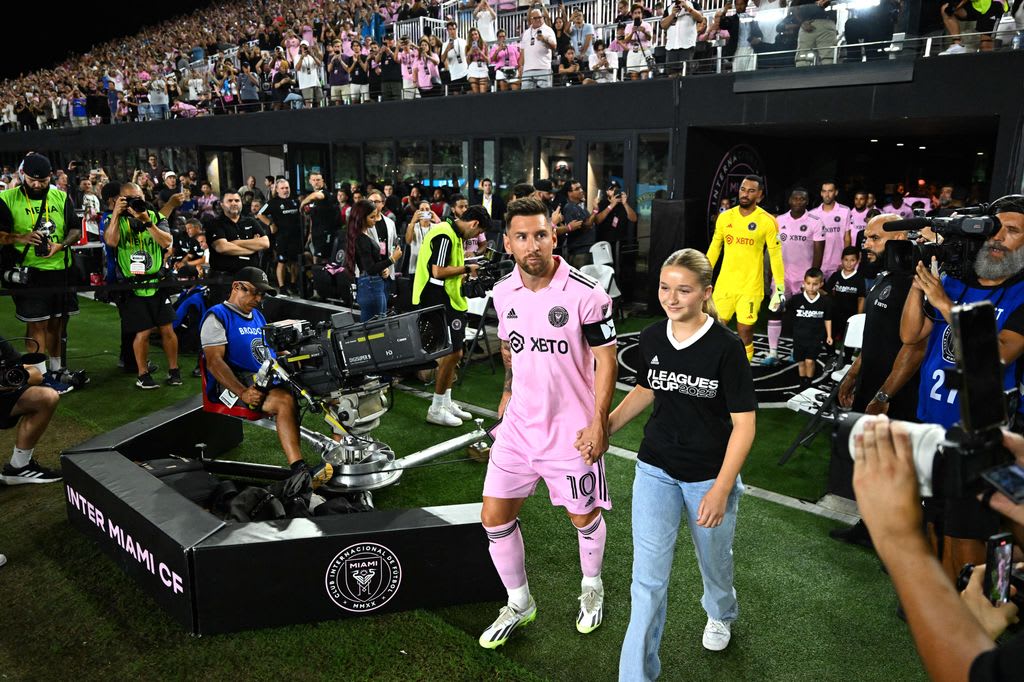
x,y
697,263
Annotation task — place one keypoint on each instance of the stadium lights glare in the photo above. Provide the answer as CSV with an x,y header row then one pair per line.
x,y
922,148
872,140
981,153
899,144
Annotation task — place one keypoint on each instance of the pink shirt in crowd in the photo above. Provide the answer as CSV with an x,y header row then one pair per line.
x,y
797,236
506,57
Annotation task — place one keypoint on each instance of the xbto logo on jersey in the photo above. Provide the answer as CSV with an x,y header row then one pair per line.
x,y
363,577
555,346
558,316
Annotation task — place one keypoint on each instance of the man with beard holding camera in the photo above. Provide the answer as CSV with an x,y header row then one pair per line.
x,y
140,236
954,634
997,276
40,239
884,377
440,268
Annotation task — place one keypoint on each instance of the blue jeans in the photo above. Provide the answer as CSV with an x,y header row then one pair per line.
x,y
658,503
371,296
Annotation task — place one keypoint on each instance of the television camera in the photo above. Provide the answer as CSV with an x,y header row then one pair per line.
x,y
962,236
491,266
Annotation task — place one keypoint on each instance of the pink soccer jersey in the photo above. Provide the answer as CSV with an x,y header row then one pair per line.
x,y
797,236
552,364
858,221
836,223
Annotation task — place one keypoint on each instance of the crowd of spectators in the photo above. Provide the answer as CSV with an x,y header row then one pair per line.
x,y
268,55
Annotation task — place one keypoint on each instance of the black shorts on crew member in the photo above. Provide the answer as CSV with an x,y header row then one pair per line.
x,y
288,251
139,313
805,351
436,295
984,23
8,399
30,307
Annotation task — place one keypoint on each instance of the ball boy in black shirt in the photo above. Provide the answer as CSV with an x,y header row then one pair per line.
x,y
812,323
846,288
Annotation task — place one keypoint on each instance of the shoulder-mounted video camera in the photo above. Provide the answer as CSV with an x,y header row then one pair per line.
x,y
491,266
963,235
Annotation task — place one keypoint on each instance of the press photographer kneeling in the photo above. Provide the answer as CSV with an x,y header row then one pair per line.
x,y
975,270
233,347
896,463
27,404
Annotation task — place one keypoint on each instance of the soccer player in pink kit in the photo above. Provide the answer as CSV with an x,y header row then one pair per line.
x,y
860,213
553,323
803,242
835,218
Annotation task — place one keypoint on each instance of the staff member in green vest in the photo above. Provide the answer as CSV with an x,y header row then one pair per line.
x,y
140,236
48,258
440,268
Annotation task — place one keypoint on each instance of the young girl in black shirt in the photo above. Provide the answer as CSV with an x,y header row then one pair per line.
x,y
695,372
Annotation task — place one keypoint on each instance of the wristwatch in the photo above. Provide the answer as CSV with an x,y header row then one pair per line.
x,y
881,397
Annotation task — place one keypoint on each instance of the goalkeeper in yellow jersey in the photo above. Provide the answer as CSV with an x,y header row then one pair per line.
x,y
741,235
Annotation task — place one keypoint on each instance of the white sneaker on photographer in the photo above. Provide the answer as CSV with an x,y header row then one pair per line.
x,y
457,411
442,417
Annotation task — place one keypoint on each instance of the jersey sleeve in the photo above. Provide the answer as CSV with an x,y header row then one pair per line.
x,y
499,310
715,248
737,381
440,251
596,318
818,230
774,246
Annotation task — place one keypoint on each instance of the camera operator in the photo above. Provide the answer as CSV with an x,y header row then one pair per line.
x,y
30,407
38,225
140,236
955,636
232,340
996,276
884,377
440,268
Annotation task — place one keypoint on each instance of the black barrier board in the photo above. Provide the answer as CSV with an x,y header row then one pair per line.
x,y
308,570
143,525
174,430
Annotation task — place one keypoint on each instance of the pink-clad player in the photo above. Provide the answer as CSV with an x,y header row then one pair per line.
x,y
835,218
553,324
803,242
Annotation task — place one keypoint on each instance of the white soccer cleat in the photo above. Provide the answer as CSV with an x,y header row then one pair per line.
x,y
508,620
717,634
442,417
591,609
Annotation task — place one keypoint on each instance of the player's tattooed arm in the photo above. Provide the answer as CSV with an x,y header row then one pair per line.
x,y
506,391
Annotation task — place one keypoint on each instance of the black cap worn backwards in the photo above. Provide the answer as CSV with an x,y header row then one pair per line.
x,y
255,277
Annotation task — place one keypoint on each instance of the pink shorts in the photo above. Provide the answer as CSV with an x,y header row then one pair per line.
x,y
571,482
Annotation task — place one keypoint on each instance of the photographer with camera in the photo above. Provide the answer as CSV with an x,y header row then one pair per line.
x,y
24,402
996,274
955,635
440,268
140,235
38,225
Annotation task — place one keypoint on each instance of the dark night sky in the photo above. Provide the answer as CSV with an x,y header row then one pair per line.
x,y
75,33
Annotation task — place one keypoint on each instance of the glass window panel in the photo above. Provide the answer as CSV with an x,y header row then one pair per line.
x,y
485,161
516,161
450,164
556,159
605,162
346,164
652,171
413,161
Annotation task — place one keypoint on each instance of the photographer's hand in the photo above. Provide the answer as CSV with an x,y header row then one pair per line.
x,y
885,481
32,238
931,285
995,619
1000,502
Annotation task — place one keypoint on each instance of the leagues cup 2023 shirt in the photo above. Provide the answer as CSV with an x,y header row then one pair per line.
x,y
550,333
697,384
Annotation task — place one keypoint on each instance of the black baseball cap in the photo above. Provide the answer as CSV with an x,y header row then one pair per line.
x,y
36,166
255,277
543,185
614,184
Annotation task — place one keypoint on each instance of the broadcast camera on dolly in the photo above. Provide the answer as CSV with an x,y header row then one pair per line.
x,y
334,369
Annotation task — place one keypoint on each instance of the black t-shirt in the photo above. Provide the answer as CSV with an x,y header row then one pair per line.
x,y
844,292
325,215
284,213
222,228
809,318
697,385
1002,664
616,226
440,251
358,74
883,308
390,69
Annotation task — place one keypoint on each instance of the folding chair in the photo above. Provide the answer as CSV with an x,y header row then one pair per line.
x,y
601,254
474,334
605,276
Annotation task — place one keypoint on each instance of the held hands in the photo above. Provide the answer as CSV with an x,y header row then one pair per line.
x,y
592,442
1000,502
32,238
828,341
471,269
776,301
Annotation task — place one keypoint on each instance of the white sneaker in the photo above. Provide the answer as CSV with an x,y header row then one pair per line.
x,y
508,620
716,635
591,609
442,417
955,48
458,411
3,560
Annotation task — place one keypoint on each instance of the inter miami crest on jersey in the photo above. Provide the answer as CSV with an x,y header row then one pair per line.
x,y
558,316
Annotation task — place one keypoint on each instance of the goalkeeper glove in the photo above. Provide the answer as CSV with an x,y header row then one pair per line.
x,y
778,299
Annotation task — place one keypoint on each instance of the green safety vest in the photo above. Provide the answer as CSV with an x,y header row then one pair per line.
x,y
452,285
139,248
25,212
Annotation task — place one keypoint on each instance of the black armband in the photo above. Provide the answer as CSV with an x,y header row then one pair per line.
x,y
600,333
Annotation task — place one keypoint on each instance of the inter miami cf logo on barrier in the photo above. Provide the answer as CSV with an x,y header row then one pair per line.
x,y
363,577
558,316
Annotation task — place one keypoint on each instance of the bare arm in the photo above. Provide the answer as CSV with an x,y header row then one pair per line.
x,y
596,433
506,391
819,253
220,370
635,402
914,326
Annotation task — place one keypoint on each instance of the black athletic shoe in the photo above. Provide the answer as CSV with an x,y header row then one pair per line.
x,y
30,473
857,534
173,377
146,383
197,373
